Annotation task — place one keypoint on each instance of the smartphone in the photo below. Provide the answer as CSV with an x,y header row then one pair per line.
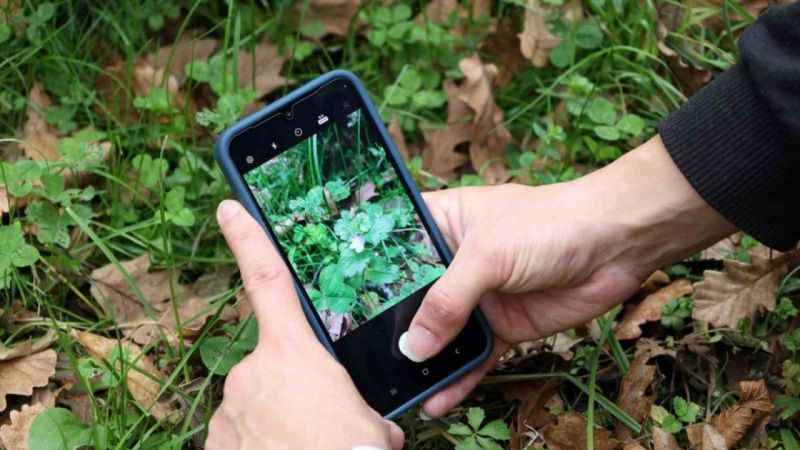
x,y
318,170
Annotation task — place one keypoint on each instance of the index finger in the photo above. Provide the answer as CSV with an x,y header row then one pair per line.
x,y
266,278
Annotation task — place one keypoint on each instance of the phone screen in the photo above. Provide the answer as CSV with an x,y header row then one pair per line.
x,y
344,220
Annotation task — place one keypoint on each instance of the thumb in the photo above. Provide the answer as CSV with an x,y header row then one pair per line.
x,y
266,278
448,304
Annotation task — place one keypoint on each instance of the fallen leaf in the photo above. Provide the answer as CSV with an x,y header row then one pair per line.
x,y
633,397
503,46
489,135
705,437
143,380
28,347
741,291
19,376
633,445
243,305
260,69
192,307
735,422
535,396
562,343
691,78
81,405
570,434
173,58
119,299
655,281
439,156
40,139
536,41
14,436
334,15
649,310
663,440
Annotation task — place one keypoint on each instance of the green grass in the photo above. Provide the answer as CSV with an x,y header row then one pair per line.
x,y
157,191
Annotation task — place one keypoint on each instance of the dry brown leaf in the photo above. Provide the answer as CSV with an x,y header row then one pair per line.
x,y
335,15
633,445
143,378
439,11
503,46
81,405
489,135
741,291
663,440
633,397
194,307
735,422
19,376
28,347
260,70
562,343
243,306
690,77
174,58
570,434
649,310
534,396
536,41
117,297
14,436
440,156
655,281
705,437
40,140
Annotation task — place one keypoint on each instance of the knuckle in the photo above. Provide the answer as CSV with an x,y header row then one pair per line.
x,y
264,275
443,308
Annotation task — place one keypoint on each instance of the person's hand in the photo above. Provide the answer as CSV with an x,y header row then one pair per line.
x,y
540,260
289,393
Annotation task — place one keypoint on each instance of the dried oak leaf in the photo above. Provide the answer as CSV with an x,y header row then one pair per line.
x,y
663,440
633,397
40,139
503,46
735,422
741,291
489,135
260,69
173,58
14,436
19,376
570,434
143,378
705,437
691,78
193,307
28,347
119,300
655,281
439,156
536,41
649,310
535,397
335,15
399,139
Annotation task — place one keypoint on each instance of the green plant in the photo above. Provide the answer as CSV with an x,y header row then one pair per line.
x,y
676,311
220,353
476,436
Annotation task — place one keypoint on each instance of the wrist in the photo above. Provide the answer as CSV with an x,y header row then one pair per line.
x,y
653,215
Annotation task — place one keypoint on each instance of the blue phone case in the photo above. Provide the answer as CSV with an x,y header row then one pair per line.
x,y
243,195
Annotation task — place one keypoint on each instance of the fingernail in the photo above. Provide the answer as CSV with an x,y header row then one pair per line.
x,y
227,209
424,417
417,344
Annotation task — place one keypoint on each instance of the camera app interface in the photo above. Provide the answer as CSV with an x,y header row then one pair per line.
x,y
344,219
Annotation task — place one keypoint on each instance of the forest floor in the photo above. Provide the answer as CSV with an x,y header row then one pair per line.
x,y
120,304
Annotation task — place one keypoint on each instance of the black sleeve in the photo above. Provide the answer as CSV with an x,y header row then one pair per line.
x,y
738,140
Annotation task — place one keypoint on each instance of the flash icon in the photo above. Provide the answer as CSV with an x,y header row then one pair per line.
x,y
321,119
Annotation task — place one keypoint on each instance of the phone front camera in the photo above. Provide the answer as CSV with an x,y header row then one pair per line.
x,y
249,159
298,132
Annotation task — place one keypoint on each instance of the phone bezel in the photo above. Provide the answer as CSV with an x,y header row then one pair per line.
x,y
230,164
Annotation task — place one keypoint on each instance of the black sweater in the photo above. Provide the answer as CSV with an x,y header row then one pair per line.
x,y
738,140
